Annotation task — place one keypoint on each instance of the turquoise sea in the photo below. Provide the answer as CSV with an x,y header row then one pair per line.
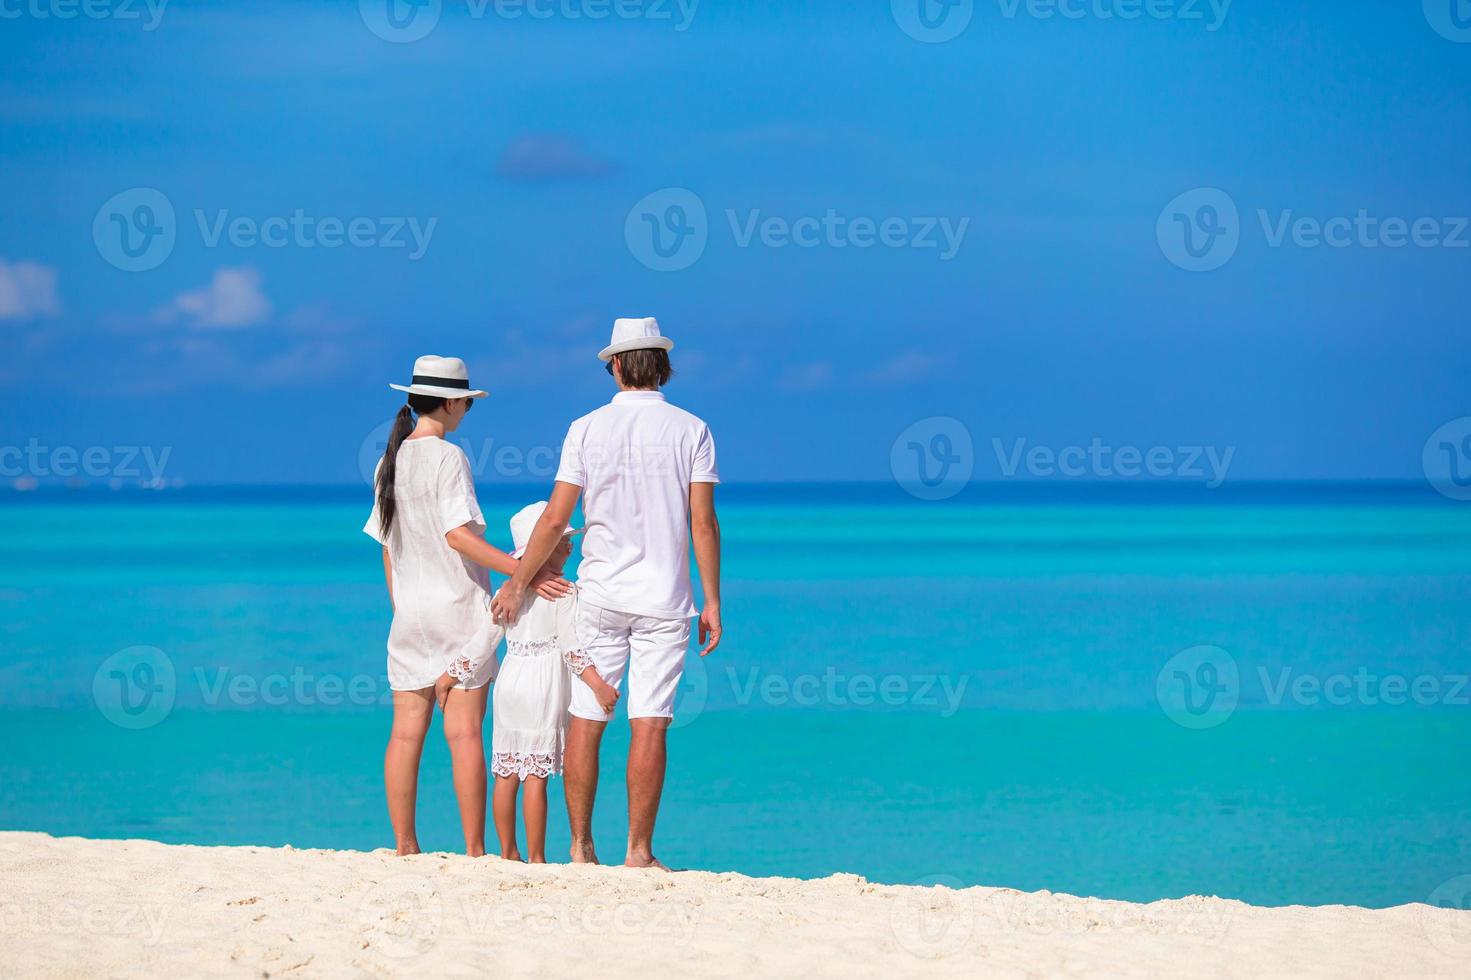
x,y
1134,692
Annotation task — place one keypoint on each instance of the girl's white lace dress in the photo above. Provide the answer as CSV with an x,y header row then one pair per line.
x,y
532,690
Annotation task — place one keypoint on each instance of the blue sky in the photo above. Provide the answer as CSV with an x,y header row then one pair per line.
x,y
1057,312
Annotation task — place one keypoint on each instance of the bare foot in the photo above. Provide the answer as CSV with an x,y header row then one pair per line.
x,y
510,854
537,859
583,853
475,852
644,861
405,848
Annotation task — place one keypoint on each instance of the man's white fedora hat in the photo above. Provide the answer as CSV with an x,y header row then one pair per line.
x,y
442,377
635,333
525,522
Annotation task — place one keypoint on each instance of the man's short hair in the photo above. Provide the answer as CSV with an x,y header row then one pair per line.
x,y
648,368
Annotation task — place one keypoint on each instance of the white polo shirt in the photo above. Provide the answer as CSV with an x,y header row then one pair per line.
x,y
635,459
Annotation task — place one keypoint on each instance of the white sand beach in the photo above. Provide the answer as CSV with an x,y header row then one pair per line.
x,y
71,907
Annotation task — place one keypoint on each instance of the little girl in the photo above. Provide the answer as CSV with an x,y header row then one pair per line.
x,y
531,699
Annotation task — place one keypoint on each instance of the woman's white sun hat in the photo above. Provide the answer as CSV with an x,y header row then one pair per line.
x,y
442,377
525,522
635,333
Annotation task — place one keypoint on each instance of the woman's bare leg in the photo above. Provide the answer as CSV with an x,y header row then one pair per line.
x,y
412,711
464,717
505,815
534,812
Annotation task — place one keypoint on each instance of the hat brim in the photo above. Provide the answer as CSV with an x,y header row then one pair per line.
x,y
638,343
437,392
569,532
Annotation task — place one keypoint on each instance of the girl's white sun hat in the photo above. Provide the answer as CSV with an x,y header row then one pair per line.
x,y
525,522
442,377
635,333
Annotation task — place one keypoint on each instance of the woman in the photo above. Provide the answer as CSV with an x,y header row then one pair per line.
x,y
441,647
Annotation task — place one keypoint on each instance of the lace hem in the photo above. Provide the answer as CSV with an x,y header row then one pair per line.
x,y
460,670
531,648
577,660
523,764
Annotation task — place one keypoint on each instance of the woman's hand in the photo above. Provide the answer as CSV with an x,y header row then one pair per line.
x,y
442,687
550,585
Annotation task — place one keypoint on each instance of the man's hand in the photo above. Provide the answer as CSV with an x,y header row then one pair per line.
x,y
709,628
505,608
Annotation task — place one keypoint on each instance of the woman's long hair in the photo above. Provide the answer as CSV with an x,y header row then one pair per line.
x,y
403,424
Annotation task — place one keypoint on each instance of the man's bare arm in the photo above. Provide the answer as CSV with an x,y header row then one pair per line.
x,y
705,533
507,605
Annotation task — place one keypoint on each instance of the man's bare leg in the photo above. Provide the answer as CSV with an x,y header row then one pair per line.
x,y
646,760
580,783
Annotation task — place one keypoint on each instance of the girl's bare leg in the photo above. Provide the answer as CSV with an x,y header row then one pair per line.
x,y
534,812
505,815
412,711
464,717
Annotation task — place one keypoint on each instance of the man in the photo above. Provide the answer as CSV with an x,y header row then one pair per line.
x,y
646,474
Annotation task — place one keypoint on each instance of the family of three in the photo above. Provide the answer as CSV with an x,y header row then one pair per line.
x,y
645,474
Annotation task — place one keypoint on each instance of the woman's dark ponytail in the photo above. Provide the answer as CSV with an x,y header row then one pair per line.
x,y
403,424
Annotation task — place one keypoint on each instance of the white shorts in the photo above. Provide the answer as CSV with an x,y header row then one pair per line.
x,y
648,649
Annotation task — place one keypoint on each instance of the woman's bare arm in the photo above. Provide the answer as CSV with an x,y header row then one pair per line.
x,y
388,575
472,547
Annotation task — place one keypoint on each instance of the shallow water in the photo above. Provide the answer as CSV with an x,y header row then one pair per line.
x,y
980,691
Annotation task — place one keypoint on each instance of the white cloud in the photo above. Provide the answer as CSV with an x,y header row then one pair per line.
x,y
806,377
233,299
27,290
908,367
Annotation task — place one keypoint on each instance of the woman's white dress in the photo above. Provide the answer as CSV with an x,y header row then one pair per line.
x,y
441,617
532,690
